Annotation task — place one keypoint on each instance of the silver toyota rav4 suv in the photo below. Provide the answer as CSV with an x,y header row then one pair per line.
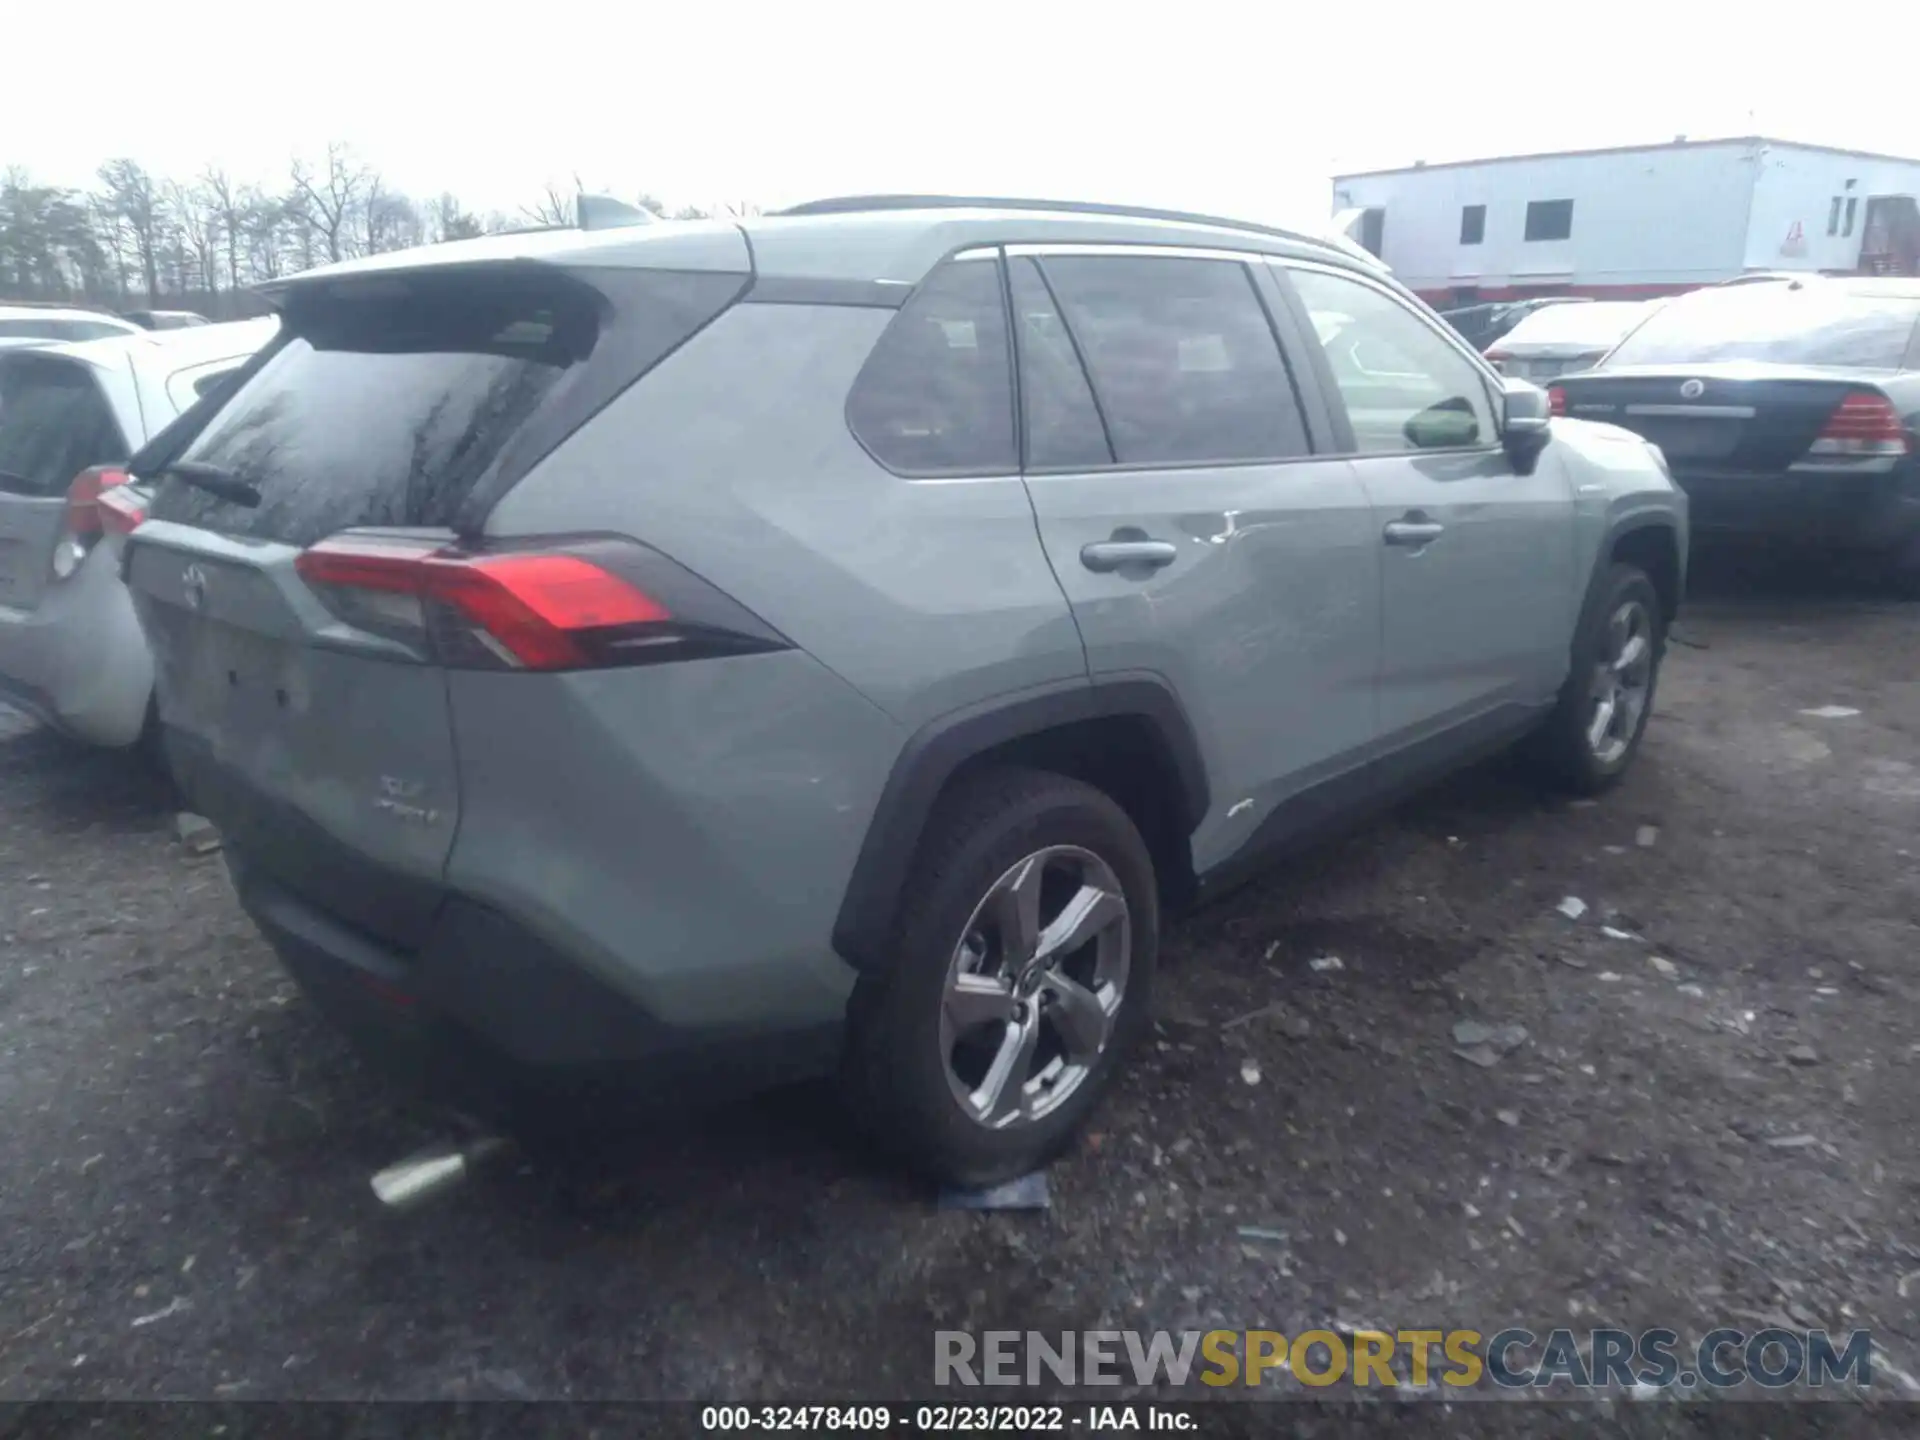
x,y
702,654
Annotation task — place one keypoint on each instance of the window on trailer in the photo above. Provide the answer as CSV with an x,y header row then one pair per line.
x,y
1549,219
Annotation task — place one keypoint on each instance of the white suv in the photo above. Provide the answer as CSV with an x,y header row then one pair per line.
x,y
71,651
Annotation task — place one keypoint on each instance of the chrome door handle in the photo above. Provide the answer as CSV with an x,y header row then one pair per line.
x,y
1412,533
1107,555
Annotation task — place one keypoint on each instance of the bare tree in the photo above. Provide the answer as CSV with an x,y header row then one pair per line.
x,y
330,198
132,199
448,220
229,204
198,219
136,233
556,206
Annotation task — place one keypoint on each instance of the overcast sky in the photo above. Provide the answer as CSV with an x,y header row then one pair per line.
x,y
1245,109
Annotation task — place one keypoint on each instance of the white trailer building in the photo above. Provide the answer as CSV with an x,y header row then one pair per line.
x,y
1638,221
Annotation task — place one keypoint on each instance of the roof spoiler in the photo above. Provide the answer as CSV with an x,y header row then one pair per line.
x,y
603,212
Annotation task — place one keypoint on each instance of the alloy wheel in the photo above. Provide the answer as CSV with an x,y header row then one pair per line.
x,y
1034,986
1622,683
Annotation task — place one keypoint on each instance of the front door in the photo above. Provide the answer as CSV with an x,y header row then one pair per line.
x,y
1194,530
1477,579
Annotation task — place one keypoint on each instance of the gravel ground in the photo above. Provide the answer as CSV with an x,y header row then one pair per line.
x,y
1708,1122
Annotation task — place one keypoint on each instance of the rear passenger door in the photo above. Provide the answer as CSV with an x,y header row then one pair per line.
x,y
1194,530
1477,579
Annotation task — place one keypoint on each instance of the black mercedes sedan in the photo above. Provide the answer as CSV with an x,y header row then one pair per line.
x,y
1788,410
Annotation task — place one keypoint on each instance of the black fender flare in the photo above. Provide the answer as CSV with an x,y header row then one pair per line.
x,y
934,752
1628,524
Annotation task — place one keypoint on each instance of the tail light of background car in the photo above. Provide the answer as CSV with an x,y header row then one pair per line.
x,y
570,605
1864,424
1498,359
1556,400
91,512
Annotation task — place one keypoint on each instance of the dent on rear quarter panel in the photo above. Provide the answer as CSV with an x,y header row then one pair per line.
x,y
734,457
685,830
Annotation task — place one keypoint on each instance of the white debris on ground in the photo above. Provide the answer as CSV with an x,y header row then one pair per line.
x,y
1831,712
1573,907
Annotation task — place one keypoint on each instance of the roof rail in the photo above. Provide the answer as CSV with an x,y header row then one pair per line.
x,y
859,204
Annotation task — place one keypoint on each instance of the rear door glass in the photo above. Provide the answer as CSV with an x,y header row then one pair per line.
x,y
936,395
54,423
385,409
1064,428
1183,360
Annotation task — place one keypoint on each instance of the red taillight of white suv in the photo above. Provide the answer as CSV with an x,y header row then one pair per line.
x,y
574,605
97,503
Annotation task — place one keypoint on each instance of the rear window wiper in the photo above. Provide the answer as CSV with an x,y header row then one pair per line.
x,y
214,480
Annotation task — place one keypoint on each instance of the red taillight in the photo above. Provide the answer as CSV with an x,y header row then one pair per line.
x,y
121,510
1556,400
534,611
83,498
1864,423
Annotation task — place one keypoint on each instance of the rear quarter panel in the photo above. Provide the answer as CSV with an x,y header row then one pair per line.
x,y
735,458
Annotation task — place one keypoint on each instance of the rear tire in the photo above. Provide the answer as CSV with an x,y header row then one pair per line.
x,y
972,989
1584,746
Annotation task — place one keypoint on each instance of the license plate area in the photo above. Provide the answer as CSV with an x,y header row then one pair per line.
x,y
1693,439
224,682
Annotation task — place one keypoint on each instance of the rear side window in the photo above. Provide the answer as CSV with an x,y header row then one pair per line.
x,y
1184,363
54,423
1064,428
387,404
936,395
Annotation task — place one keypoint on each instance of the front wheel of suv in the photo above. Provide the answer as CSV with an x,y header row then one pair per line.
x,y
1594,731
1021,973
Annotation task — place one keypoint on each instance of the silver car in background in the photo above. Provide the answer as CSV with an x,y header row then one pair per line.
x,y
42,324
71,651
1564,339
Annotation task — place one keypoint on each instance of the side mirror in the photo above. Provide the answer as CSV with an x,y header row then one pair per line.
x,y
1450,425
1526,423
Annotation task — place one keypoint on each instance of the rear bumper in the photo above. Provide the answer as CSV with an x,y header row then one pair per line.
x,y
1840,511
78,660
488,1016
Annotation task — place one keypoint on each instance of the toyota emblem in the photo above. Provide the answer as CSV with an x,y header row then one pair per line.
x,y
194,581
1693,389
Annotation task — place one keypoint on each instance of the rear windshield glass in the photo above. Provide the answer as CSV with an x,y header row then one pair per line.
x,y
1811,326
1596,326
386,407
60,330
54,423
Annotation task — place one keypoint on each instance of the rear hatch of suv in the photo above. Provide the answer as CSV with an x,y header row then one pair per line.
x,y
313,560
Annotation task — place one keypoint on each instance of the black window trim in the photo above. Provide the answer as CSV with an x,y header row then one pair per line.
x,y
1027,467
1527,222
1249,261
1492,381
